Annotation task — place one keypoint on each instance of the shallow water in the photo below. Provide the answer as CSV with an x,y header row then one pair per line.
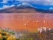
x,y
26,21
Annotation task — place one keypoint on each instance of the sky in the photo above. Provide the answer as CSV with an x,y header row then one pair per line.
x,y
41,4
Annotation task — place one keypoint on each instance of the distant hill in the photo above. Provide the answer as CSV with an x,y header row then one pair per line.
x,y
20,9
24,9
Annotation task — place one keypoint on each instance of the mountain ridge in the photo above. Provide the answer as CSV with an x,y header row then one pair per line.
x,y
24,9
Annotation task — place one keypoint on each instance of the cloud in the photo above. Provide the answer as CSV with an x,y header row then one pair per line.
x,y
5,6
48,2
44,2
4,1
24,0
1,8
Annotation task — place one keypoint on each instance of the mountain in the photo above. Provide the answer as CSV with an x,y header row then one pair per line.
x,y
24,8
20,9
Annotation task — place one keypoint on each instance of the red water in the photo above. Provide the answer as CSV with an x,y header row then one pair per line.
x,y
26,21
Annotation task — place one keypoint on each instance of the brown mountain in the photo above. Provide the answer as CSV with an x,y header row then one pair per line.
x,y
20,9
